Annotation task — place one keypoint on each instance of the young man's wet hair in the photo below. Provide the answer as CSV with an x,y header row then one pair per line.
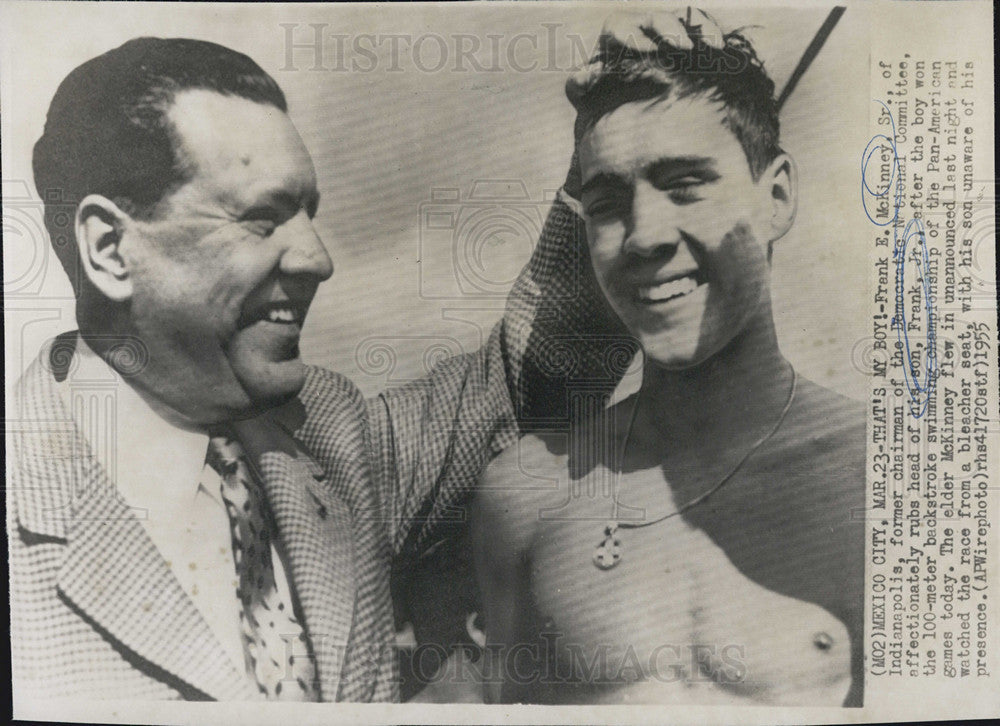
x,y
731,76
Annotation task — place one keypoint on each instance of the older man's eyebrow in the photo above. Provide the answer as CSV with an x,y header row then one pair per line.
x,y
285,201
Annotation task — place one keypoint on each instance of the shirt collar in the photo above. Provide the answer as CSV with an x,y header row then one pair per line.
x,y
156,465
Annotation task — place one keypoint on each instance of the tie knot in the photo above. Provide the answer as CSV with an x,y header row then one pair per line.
x,y
223,454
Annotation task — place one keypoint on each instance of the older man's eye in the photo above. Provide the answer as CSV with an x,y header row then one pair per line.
x,y
261,221
261,227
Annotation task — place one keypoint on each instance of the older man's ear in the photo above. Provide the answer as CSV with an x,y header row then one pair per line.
x,y
99,225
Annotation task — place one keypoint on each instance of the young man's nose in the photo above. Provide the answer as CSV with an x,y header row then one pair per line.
x,y
652,229
305,253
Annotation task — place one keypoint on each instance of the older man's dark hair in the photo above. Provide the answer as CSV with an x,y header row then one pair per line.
x,y
107,130
732,76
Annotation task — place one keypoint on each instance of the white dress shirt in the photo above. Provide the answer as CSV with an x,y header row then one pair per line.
x,y
159,470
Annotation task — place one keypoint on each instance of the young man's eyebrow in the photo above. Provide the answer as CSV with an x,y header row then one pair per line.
x,y
674,165
665,166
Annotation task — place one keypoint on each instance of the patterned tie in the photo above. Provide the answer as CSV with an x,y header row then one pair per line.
x,y
267,622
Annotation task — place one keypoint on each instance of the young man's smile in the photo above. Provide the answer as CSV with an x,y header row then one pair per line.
x,y
672,288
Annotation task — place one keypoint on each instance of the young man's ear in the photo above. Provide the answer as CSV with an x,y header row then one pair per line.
x,y
780,182
99,225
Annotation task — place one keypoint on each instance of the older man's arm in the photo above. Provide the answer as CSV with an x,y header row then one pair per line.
x,y
430,440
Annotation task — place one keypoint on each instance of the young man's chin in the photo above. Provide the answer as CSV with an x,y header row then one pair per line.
x,y
670,353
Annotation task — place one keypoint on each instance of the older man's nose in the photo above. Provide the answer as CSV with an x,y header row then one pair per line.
x,y
306,254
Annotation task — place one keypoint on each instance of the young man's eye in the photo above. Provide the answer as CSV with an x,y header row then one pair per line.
x,y
598,209
684,193
602,207
684,188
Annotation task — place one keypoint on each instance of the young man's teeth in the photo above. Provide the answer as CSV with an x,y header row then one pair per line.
x,y
281,315
674,288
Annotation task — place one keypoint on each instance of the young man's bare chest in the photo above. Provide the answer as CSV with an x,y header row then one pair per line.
x,y
677,620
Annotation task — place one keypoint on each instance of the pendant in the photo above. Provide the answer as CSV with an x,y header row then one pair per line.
x,y
609,552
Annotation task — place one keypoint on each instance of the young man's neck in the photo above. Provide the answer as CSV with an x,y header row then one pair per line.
x,y
736,394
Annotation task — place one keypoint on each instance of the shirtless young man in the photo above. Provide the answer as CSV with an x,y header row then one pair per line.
x,y
726,566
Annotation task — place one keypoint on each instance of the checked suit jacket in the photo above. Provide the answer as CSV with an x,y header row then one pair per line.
x,y
353,484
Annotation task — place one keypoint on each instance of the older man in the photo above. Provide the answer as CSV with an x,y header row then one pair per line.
x,y
228,535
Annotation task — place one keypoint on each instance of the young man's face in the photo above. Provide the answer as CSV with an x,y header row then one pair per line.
x,y
224,275
678,229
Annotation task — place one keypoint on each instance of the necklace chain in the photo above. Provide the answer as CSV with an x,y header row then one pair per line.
x,y
608,553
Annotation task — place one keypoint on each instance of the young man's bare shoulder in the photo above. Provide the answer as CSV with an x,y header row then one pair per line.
x,y
528,472
832,426
536,473
820,449
517,484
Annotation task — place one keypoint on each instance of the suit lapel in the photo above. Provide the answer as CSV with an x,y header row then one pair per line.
x,y
112,573
315,531
116,577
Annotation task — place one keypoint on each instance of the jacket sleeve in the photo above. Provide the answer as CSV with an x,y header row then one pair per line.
x,y
431,439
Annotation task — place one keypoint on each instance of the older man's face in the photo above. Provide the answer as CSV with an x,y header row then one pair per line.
x,y
224,274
